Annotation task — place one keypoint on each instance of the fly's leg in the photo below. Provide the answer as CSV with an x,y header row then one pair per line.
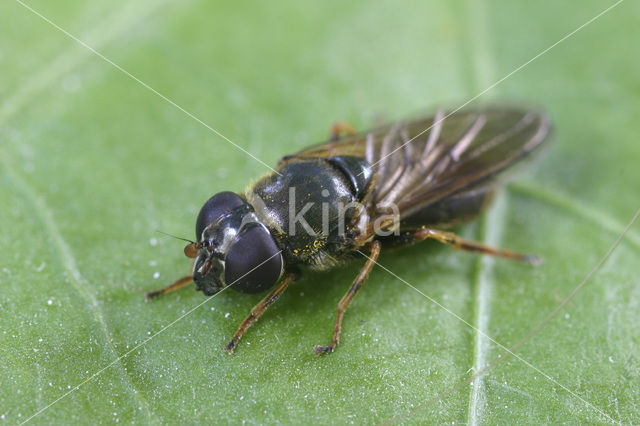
x,y
177,285
346,299
259,309
168,289
339,128
456,242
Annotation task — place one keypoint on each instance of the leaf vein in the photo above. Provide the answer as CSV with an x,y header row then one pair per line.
x,y
79,283
571,205
99,35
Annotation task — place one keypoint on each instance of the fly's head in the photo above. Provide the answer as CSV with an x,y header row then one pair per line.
x,y
234,248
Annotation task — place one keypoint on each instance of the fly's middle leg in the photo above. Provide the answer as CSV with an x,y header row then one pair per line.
x,y
346,299
456,242
259,309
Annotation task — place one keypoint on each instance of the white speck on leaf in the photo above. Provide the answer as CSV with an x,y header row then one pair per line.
x,y
156,275
227,315
153,242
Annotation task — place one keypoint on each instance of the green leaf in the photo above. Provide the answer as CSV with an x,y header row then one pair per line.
x,y
92,163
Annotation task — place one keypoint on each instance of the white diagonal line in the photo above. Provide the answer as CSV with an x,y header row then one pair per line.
x,y
509,351
536,329
96,374
477,330
524,340
142,83
502,79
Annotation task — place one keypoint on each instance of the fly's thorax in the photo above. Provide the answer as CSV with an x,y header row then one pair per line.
x,y
237,248
310,204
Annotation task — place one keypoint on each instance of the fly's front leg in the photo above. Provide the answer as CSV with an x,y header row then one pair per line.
x,y
456,242
178,284
259,309
374,248
339,128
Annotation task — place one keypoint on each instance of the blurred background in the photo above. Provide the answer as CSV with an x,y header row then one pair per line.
x,y
92,163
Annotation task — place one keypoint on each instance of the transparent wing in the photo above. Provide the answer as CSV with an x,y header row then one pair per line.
x,y
420,162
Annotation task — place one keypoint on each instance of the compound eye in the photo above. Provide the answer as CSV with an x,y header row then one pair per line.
x,y
215,207
253,263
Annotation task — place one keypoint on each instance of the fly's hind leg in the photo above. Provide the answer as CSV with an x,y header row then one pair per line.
x,y
456,242
346,299
339,128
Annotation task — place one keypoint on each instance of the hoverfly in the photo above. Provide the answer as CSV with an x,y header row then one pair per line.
x,y
394,185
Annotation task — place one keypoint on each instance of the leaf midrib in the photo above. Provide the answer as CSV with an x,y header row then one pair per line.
x,y
479,69
99,35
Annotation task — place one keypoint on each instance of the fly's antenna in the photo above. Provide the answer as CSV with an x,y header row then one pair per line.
x,y
173,236
192,249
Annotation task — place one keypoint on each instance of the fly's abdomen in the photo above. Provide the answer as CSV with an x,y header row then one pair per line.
x,y
453,210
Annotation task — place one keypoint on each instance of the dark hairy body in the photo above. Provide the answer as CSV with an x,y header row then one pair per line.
x,y
394,185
